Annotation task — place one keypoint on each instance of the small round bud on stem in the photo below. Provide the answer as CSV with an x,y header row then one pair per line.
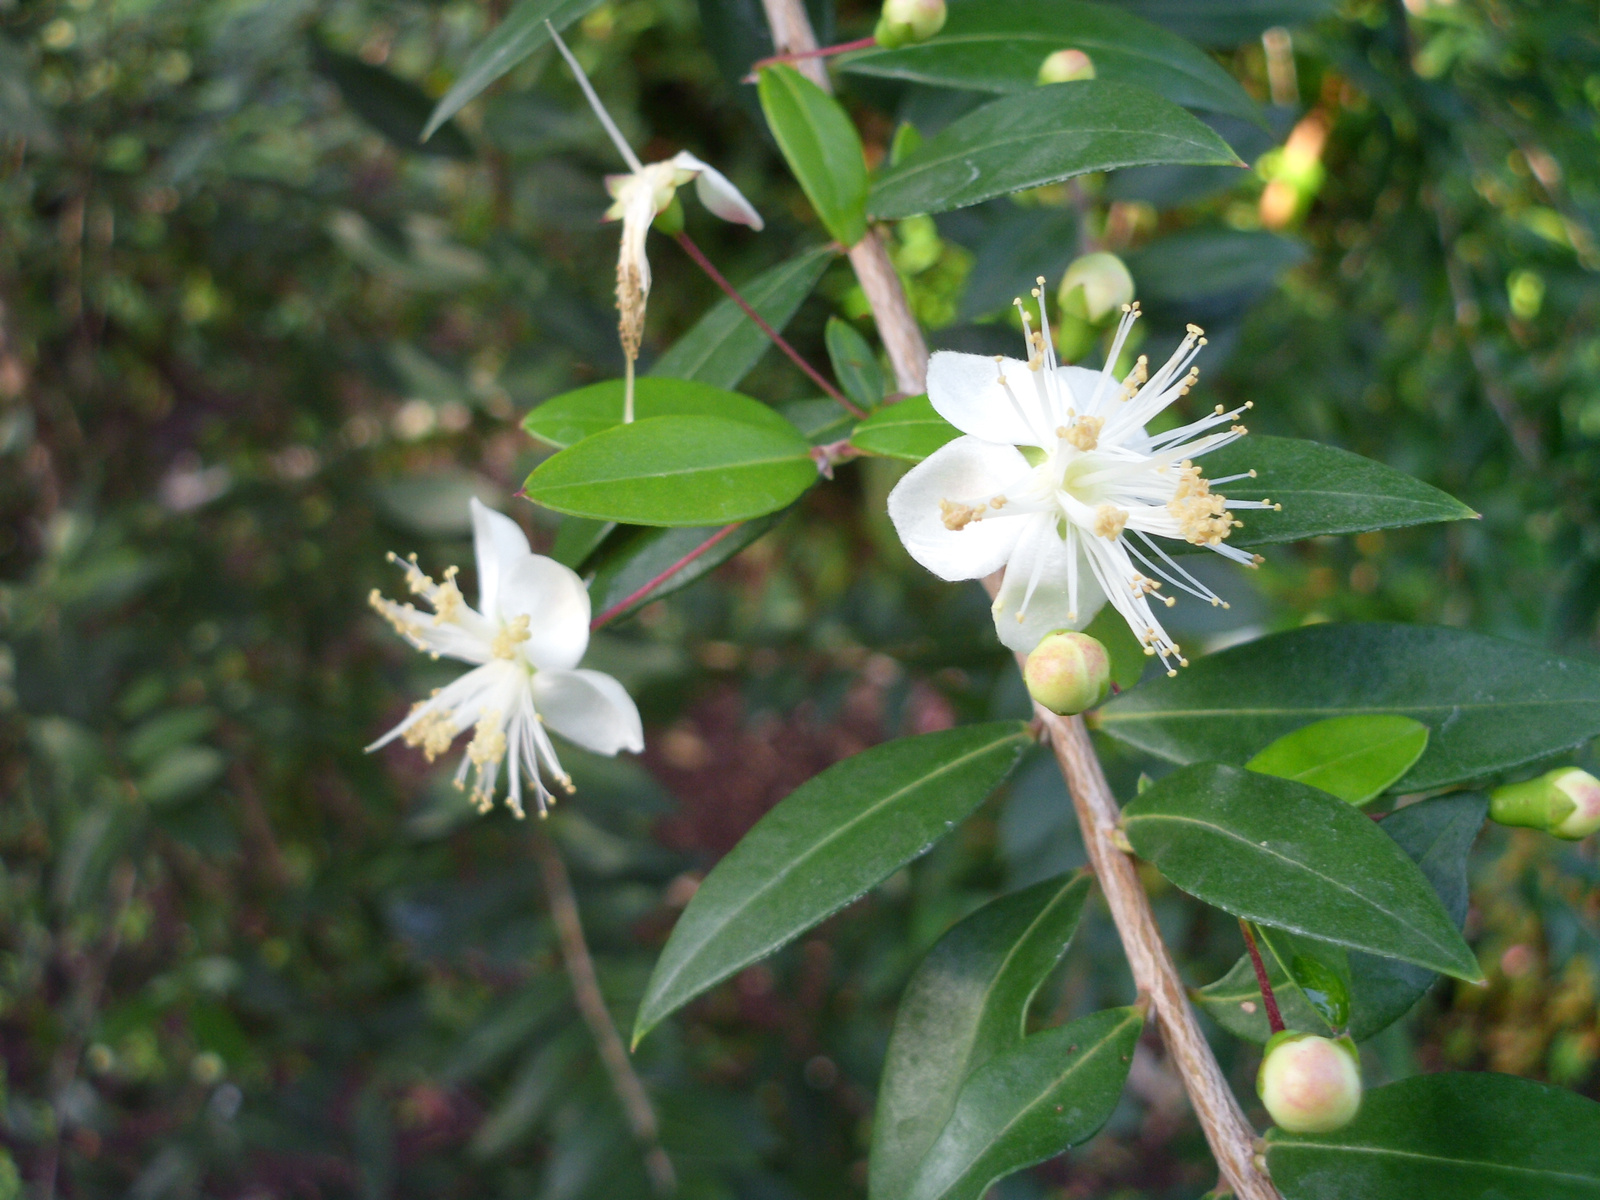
x,y
1310,1084
1068,672
670,219
905,21
1095,286
1564,802
1066,66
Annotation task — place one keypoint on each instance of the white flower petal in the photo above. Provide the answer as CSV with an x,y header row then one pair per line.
x,y
1041,558
498,544
717,193
636,218
966,469
556,604
590,709
965,389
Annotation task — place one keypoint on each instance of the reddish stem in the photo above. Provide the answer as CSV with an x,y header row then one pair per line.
x,y
865,43
634,597
704,263
1274,1017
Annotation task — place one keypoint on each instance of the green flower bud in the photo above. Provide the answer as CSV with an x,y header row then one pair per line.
x,y
1095,286
1310,1084
1564,802
905,21
1068,672
1066,66
670,219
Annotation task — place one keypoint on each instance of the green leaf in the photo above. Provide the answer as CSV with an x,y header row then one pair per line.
x,y
1454,1136
567,419
1234,1001
725,344
1354,757
395,107
577,538
676,471
1490,705
1322,490
966,1003
1039,137
1325,988
519,35
1054,1090
1225,23
821,421
999,45
910,430
636,554
855,366
822,148
1284,854
824,845
1200,265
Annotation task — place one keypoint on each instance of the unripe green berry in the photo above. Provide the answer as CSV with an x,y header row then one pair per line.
x,y
1095,286
1310,1084
905,21
1068,672
1564,802
1066,66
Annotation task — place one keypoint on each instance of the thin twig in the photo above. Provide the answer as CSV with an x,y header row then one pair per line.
x,y
865,43
1274,1017
630,1093
705,264
638,594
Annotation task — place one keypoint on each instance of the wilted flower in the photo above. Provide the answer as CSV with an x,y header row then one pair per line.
x,y
526,636
1058,482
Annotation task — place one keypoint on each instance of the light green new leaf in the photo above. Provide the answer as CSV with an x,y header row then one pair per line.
x,y
636,555
1355,757
1284,854
909,430
998,46
855,366
1039,137
1489,704
822,148
519,35
1054,1090
1454,1136
725,344
966,1003
567,419
824,845
676,471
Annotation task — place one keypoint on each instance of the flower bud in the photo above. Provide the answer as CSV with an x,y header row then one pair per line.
x,y
905,21
1095,286
1564,802
1310,1084
1066,66
670,219
1068,672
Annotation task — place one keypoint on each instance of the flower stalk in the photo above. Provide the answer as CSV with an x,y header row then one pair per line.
x,y
1274,1017
794,56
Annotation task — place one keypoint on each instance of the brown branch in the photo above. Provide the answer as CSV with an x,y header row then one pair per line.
x,y
1274,1017
591,1003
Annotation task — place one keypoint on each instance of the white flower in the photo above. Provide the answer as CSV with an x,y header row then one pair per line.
x,y
525,638
1058,482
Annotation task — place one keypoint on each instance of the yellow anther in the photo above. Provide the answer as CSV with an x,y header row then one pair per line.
x,y
511,634
1109,521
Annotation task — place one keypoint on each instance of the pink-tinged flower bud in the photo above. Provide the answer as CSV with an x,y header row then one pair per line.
x,y
1564,802
1310,1084
1066,66
905,21
1095,286
1068,672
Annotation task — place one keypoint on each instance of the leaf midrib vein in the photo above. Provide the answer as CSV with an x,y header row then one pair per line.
x,y
919,168
1168,714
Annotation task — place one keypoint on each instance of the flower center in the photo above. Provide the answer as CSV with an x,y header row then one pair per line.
x,y
511,635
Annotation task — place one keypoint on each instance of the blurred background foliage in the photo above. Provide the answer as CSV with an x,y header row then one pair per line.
x,y
252,336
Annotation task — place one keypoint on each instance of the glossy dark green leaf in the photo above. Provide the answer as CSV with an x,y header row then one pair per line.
x,y
519,35
725,344
1323,490
1043,136
966,1003
822,148
1193,266
824,845
676,471
855,366
1018,244
1054,1090
1325,988
564,420
577,538
1355,757
638,555
1283,854
998,46
395,107
909,429
1489,704
1225,23
820,421
1234,1001
1453,1136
